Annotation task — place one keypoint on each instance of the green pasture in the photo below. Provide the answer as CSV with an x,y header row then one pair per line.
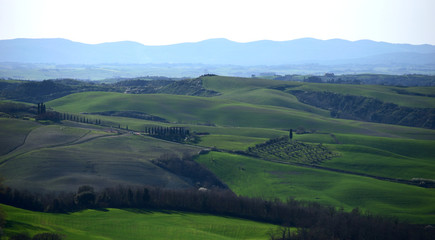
x,y
258,178
202,110
383,93
13,132
401,158
381,163
58,159
133,224
232,86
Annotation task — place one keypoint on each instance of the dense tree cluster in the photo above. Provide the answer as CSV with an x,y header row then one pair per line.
x,y
175,134
78,118
368,109
377,79
312,220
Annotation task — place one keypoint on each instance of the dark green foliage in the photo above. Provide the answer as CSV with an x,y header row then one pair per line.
x,y
132,114
2,221
313,79
175,134
368,109
35,92
281,149
41,108
190,170
190,87
379,79
20,236
17,109
47,236
85,197
39,236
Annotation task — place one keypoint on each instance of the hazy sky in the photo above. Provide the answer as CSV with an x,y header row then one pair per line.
x,y
159,22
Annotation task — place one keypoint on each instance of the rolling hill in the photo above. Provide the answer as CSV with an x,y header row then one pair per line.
x,y
382,168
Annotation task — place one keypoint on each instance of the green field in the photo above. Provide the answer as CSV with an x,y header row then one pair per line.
x,y
133,224
13,133
248,112
257,178
62,158
233,87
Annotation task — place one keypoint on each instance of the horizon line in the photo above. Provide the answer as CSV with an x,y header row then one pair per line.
x,y
211,39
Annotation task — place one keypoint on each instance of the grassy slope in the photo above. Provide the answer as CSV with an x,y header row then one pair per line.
x,y
188,109
133,224
13,133
56,158
248,112
253,177
383,93
192,110
231,87
380,156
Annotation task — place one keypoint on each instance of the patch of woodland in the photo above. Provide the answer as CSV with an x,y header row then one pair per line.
x,y
190,87
368,109
191,171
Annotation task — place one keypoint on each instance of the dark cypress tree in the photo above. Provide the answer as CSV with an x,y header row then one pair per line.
x,y
42,108
291,134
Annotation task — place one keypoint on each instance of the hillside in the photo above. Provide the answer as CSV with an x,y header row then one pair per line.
x,y
64,157
338,162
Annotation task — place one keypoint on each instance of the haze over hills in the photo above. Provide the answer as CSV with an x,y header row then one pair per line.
x,y
217,51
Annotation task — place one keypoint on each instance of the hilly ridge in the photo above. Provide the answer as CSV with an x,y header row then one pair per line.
x,y
216,51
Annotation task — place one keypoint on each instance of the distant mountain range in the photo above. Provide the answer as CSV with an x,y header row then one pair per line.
x,y
217,51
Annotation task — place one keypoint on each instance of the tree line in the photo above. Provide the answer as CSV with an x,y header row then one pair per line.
x,y
312,220
176,134
368,109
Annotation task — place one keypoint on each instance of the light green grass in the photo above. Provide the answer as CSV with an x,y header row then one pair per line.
x,y
133,224
380,156
193,110
381,163
258,178
407,147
